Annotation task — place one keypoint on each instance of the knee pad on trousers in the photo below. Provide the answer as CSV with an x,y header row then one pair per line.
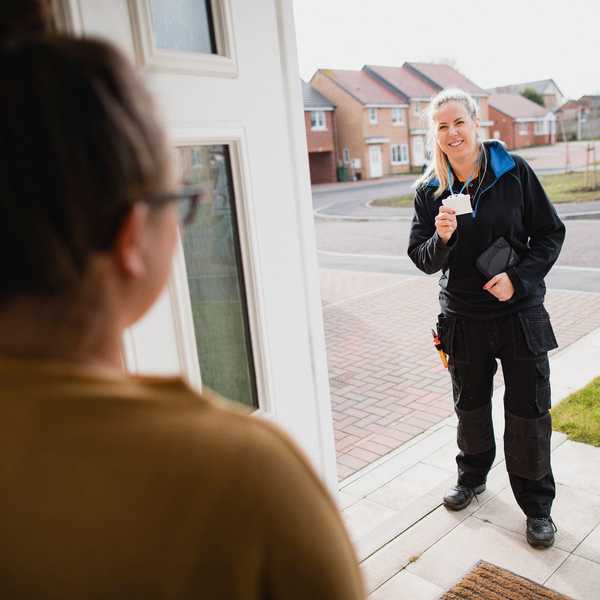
x,y
527,445
475,430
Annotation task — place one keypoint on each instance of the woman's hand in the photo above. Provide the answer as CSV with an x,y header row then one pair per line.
x,y
445,223
501,287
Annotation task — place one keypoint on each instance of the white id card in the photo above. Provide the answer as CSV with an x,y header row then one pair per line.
x,y
461,203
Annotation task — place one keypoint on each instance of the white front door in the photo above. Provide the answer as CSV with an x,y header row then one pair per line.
x,y
375,162
242,313
418,151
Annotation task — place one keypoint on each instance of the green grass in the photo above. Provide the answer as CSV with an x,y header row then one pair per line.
x,y
561,188
570,187
394,201
579,415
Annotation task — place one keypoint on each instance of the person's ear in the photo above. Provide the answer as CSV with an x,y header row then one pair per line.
x,y
130,241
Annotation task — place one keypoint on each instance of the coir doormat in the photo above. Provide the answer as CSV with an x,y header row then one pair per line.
x,y
489,582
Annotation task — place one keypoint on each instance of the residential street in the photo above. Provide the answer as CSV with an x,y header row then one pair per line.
x,y
351,235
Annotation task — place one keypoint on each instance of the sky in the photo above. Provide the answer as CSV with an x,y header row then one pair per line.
x,y
492,43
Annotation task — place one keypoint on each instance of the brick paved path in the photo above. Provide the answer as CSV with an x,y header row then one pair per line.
x,y
387,382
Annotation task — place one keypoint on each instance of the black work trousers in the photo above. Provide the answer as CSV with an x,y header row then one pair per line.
x,y
521,342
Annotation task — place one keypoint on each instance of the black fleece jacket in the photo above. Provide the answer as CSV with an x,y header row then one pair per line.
x,y
511,203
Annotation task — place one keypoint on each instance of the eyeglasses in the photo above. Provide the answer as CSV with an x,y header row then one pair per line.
x,y
189,197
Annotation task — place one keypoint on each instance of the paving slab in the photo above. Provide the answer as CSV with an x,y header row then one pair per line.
x,y
590,547
473,540
407,585
364,516
413,483
578,466
577,578
575,513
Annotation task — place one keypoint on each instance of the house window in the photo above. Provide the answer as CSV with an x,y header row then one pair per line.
x,y
346,154
317,120
541,128
373,116
404,154
399,154
397,116
417,108
523,128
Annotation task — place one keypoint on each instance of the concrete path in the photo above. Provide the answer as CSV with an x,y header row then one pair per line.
x,y
412,548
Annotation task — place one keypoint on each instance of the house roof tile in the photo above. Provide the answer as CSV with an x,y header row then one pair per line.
x,y
445,76
517,106
314,99
404,80
363,87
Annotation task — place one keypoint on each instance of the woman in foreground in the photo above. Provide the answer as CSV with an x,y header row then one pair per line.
x,y
116,486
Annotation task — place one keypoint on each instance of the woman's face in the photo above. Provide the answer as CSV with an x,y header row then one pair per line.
x,y
455,130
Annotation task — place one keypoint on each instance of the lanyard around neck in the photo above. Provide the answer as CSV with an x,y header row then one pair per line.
x,y
451,182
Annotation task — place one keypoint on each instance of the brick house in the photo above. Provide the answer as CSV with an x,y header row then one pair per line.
x,y
419,82
546,88
519,122
371,120
579,119
319,121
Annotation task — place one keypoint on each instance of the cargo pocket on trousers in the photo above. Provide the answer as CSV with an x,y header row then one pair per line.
x,y
543,397
527,446
537,330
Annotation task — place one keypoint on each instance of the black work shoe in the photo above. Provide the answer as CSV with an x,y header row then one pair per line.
x,y
540,531
460,496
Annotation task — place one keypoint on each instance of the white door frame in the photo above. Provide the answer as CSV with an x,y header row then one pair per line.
x,y
375,166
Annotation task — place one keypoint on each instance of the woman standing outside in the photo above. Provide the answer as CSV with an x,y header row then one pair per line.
x,y
483,319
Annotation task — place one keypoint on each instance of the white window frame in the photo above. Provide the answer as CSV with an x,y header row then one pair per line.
x,y
398,116
222,64
541,127
398,154
373,119
346,154
318,120
404,154
523,128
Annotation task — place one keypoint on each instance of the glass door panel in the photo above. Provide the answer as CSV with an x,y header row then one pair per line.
x,y
215,277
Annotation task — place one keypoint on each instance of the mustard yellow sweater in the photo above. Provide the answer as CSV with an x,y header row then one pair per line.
x,y
115,487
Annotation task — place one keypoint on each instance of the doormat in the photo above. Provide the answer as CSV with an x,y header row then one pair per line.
x,y
489,582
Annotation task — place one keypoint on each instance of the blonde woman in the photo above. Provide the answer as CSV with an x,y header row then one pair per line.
x,y
484,319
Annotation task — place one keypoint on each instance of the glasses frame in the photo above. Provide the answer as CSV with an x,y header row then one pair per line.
x,y
194,194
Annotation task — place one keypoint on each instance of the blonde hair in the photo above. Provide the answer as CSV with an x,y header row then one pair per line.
x,y
439,165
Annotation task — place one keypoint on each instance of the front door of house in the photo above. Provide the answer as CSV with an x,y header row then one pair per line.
x,y
418,151
375,162
242,312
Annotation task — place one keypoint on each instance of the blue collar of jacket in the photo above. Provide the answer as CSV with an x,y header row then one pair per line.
x,y
501,162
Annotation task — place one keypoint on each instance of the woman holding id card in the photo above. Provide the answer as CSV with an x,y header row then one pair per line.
x,y
483,219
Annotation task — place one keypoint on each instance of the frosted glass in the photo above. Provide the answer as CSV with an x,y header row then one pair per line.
x,y
183,25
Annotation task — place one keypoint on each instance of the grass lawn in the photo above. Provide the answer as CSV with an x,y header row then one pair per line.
x,y
562,187
394,201
579,415
570,187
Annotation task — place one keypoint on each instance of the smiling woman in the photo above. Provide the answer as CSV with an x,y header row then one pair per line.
x,y
484,319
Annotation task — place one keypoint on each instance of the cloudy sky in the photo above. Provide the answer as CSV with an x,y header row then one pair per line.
x,y
492,43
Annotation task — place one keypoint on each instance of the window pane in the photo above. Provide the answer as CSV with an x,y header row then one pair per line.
x,y
184,25
215,277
